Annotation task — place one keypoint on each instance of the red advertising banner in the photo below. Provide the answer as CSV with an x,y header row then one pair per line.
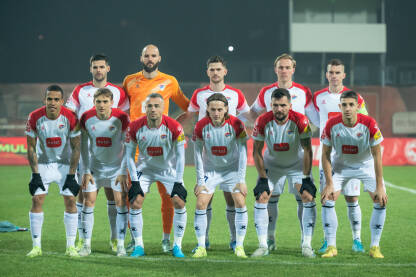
x,y
396,151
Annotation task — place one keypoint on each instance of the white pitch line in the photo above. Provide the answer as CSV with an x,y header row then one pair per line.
x,y
221,261
399,187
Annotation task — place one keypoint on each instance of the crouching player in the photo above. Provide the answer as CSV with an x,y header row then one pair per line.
x,y
356,141
103,129
289,152
52,133
161,141
220,159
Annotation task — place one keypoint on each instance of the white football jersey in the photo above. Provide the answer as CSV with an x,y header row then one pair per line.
x,y
236,101
156,145
106,140
326,105
301,98
352,145
82,98
283,141
220,143
53,136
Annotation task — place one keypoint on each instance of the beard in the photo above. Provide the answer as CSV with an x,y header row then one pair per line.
x,y
99,78
280,116
150,69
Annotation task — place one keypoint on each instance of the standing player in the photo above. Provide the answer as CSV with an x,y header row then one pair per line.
x,y
220,159
301,100
216,71
160,140
103,130
289,152
53,141
326,103
356,141
138,86
80,101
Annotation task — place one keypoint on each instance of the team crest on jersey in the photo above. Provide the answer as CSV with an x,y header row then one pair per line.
x,y
294,96
162,87
42,128
227,134
61,126
208,136
163,136
111,128
93,128
143,138
338,135
228,98
290,132
323,102
359,135
89,94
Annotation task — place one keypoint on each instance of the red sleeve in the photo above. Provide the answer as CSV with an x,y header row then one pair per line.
x,y
173,125
237,124
123,96
199,127
329,124
308,94
71,116
315,96
360,100
134,126
124,118
370,123
75,93
260,97
87,115
194,98
241,98
261,122
301,120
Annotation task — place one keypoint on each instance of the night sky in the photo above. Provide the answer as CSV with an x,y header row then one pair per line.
x,y
44,40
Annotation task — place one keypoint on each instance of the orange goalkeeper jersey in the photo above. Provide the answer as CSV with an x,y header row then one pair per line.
x,y
139,87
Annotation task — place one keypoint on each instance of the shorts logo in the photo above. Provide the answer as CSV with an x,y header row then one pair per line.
x,y
154,151
103,142
163,136
53,142
349,149
281,147
61,126
219,150
227,134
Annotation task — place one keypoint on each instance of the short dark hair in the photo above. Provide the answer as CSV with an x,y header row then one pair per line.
x,y
54,88
218,97
336,62
154,95
349,94
99,57
280,93
103,91
216,59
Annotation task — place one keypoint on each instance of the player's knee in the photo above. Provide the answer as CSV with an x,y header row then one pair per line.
x,y
307,197
264,197
178,203
351,199
240,202
37,201
229,199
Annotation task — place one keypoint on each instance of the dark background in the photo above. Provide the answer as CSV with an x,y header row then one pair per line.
x,y
45,41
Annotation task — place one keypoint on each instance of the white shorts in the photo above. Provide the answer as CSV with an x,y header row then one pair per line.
x,y
351,188
53,173
103,183
365,175
277,177
226,179
148,176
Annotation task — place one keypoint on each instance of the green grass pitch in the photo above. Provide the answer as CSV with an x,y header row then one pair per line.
x,y
398,243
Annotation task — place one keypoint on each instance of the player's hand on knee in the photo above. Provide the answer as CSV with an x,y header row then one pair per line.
x,y
35,183
71,184
200,189
242,188
261,186
326,194
381,197
134,191
86,179
123,181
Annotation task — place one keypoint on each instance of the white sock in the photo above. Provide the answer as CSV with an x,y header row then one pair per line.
x,y
36,222
273,211
166,236
79,212
136,226
71,224
354,214
261,221
87,219
308,221
179,225
209,218
377,223
241,220
121,222
300,214
330,222
200,225
112,218
230,213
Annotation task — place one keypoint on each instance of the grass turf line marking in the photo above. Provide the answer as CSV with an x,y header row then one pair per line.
x,y
220,261
399,187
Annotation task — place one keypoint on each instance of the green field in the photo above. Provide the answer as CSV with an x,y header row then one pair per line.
x,y
398,243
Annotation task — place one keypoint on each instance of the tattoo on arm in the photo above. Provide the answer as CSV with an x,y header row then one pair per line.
x,y
75,147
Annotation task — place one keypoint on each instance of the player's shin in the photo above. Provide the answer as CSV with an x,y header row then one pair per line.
x,y
71,222
377,223
200,226
87,219
330,222
136,225
112,215
300,215
36,222
308,221
273,210
241,221
354,215
230,214
261,221
179,223
79,225
121,223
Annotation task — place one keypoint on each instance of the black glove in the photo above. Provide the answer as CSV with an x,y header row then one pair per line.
x,y
35,183
261,186
71,184
135,190
309,186
179,190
